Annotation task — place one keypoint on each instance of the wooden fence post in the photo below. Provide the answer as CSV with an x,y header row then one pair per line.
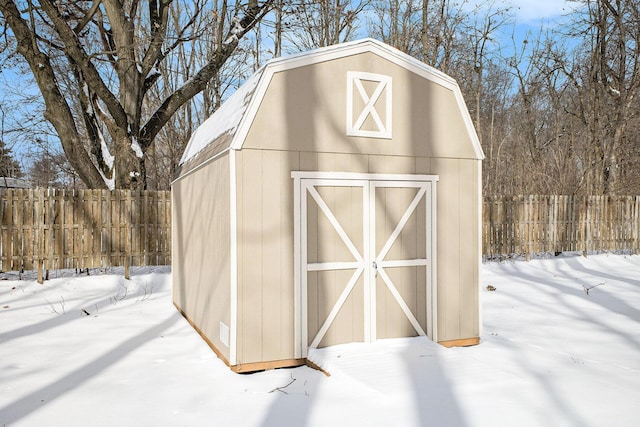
x,y
44,229
39,233
587,225
636,226
528,227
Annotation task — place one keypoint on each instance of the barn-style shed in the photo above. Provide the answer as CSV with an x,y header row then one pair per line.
x,y
335,197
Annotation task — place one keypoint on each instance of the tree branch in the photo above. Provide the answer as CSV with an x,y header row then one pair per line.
x,y
74,50
195,85
158,13
57,110
87,17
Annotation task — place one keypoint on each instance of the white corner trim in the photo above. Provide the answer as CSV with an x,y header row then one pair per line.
x,y
233,268
479,237
432,252
357,118
298,351
252,109
304,319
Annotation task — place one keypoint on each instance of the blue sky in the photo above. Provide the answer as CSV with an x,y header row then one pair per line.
x,y
529,18
531,11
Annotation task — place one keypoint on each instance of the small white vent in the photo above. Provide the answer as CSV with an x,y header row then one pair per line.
x,y
224,334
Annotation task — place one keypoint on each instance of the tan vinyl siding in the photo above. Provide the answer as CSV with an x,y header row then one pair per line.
x,y
265,251
265,255
470,249
324,289
334,162
391,204
391,164
448,214
458,248
304,109
423,165
265,248
325,245
201,249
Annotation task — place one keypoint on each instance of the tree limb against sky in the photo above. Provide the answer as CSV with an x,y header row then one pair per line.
x,y
95,63
552,85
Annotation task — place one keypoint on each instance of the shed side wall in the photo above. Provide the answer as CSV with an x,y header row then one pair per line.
x,y
265,255
201,249
458,247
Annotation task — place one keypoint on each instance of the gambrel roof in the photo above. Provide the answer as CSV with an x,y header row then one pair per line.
x,y
227,128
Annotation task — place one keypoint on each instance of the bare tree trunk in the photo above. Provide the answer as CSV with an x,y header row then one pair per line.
x,y
118,133
277,48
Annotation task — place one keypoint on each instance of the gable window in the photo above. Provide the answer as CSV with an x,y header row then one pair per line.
x,y
369,102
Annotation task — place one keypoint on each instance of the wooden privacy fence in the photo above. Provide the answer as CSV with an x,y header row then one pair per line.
x,y
56,229
48,229
536,224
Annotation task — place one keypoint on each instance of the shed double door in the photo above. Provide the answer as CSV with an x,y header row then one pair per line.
x,y
366,259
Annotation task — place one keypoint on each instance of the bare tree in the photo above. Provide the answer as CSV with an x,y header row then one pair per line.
x,y
481,53
429,30
398,24
163,156
112,50
443,22
605,76
9,167
317,23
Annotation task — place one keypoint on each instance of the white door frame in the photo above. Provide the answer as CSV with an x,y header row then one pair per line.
x,y
304,183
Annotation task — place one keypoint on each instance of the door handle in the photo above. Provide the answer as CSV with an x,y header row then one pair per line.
x,y
375,268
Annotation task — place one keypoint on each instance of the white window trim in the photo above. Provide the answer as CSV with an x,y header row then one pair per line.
x,y
384,88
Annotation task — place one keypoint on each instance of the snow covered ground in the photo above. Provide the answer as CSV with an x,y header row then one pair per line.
x,y
103,351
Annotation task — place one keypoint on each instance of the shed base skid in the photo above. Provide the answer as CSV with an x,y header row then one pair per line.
x,y
466,342
246,368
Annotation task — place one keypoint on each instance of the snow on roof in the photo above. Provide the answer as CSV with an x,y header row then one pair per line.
x,y
225,120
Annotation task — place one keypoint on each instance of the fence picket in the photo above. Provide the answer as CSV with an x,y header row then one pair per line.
x,y
636,226
533,224
53,229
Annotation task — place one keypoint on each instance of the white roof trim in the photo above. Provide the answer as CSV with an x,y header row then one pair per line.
x,y
357,176
340,51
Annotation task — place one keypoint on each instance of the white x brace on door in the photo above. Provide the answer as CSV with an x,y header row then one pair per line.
x,y
364,257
